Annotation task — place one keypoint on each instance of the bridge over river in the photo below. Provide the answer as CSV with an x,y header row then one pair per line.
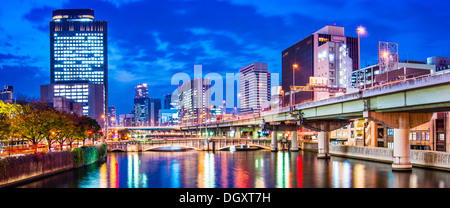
x,y
203,144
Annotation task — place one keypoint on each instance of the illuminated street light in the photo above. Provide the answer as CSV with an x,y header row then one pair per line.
x,y
360,30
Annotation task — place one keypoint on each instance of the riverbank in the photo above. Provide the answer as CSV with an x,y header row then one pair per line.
x,y
19,169
419,158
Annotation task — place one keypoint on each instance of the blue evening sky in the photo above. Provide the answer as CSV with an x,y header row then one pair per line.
x,y
150,41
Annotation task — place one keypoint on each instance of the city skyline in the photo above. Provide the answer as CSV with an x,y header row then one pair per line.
x,y
222,36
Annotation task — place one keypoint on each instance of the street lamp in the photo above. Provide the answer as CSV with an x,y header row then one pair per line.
x,y
282,100
105,124
294,66
361,31
385,55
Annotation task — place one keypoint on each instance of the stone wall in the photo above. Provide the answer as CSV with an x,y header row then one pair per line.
x,y
19,169
419,158
369,153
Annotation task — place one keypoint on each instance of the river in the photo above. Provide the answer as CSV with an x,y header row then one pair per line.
x,y
239,169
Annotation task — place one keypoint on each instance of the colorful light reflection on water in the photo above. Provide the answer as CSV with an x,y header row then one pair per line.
x,y
241,169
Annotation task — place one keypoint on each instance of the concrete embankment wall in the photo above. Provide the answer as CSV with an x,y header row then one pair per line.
x,y
14,170
419,158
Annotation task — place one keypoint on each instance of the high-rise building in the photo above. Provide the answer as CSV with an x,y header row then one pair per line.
x,y
112,118
168,104
141,91
255,87
327,53
194,101
146,110
7,94
126,120
141,111
154,111
79,52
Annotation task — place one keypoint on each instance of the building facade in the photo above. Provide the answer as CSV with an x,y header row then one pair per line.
x,y
372,76
89,95
146,110
194,101
327,53
112,117
7,94
254,87
79,52
141,91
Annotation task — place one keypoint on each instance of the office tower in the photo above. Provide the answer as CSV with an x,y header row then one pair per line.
x,y
7,94
194,102
141,91
168,102
255,87
112,118
126,120
141,111
328,54
146,110
79,52
88,94
154,112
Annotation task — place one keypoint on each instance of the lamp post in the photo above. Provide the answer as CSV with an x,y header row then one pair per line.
x,y
292,102
361,31
105,123
385,56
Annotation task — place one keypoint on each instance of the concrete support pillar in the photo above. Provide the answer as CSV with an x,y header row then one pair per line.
x,y
402,155
237,133
294,141
324,145
274,145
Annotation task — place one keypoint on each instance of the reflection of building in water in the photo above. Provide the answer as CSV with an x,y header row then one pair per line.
x,y
135,179
283,170
206,172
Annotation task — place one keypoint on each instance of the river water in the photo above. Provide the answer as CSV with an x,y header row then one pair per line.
x,y
239,169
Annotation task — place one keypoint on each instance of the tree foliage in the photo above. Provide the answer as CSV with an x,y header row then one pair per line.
x,y
36,121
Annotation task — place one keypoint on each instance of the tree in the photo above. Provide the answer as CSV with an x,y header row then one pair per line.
x,y
123,134
35,122
7,113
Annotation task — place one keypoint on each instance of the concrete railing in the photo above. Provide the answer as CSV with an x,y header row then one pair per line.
x,y
369,153
419,158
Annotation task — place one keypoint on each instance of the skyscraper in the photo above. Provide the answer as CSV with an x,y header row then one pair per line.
x,y
79,55
255,87
141,91
146,110
194,101
327,53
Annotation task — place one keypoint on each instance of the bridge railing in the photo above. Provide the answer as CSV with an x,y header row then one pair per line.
x,y
196,143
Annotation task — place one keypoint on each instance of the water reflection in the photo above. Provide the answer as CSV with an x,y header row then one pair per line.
x,y
240,169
